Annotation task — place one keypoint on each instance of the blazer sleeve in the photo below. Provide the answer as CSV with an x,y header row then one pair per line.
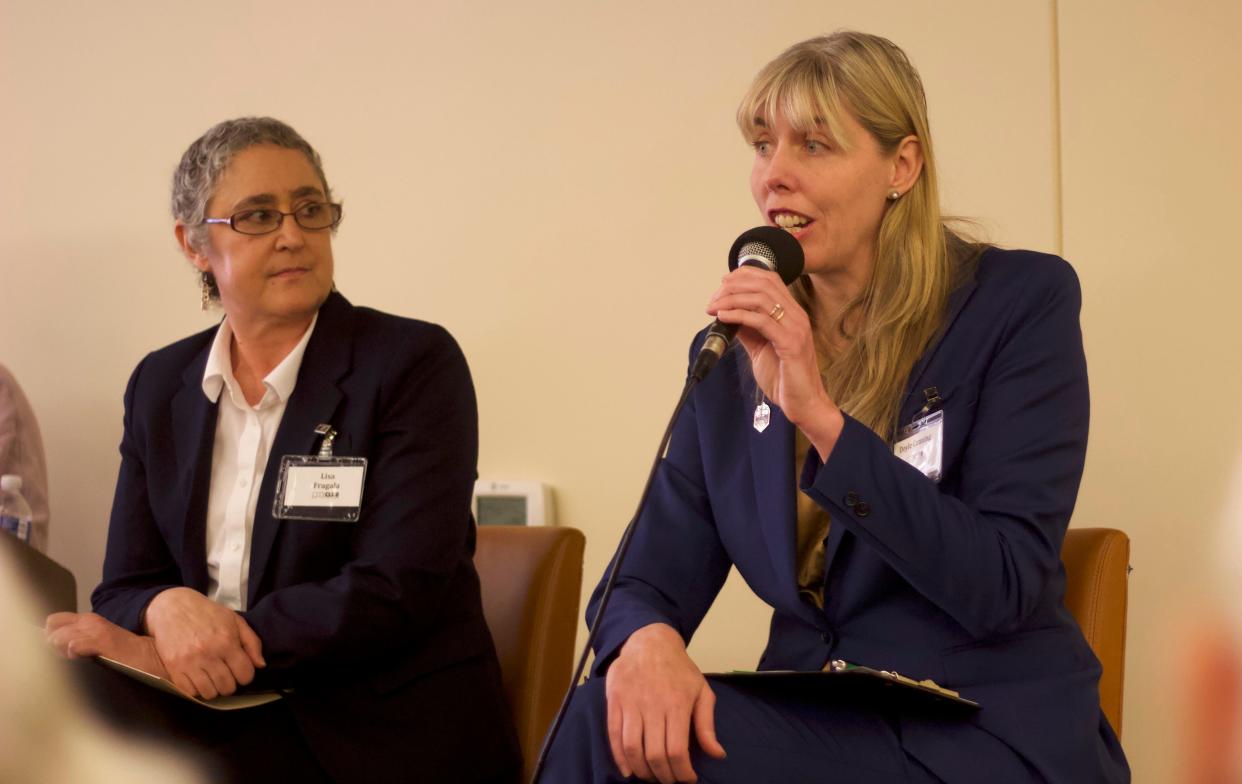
x,y
985,555
411,553
137,561
676,563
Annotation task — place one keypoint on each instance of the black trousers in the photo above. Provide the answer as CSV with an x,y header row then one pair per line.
x,y
260,744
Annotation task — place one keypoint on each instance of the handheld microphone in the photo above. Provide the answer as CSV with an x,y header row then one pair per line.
x,y
763,246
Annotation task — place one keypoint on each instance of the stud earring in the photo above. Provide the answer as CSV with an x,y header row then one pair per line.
x,y
893,196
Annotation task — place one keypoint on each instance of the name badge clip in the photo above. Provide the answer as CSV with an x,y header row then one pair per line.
x,y
327,434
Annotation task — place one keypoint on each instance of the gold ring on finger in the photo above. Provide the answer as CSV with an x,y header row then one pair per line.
x,y
777,312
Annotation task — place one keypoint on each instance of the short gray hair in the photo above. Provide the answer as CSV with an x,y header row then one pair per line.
x,y
206,159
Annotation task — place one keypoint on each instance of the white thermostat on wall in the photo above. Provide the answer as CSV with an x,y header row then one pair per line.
x,y
512,503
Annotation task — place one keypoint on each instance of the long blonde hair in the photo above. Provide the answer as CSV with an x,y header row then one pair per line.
x,y
867,353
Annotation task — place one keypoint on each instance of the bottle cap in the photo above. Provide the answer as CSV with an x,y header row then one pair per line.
x,y
11,483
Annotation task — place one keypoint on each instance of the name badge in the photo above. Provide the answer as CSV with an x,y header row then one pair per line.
x,y
320,487
921,442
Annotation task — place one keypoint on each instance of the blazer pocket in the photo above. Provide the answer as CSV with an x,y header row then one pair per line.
x,y
406,672
1026,656
450,645
959,395
325,540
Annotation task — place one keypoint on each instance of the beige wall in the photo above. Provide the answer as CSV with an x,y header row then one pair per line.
x,y
534,176
1151,109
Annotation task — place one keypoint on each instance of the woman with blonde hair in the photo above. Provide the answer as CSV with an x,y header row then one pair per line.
x,y
890,461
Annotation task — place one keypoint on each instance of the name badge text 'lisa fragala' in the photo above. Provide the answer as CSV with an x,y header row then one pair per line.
x,y
316,488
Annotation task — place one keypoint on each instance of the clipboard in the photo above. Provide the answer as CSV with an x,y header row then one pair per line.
x,y
841,680
223,703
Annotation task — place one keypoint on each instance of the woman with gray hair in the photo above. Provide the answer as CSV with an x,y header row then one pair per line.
x,y
286,517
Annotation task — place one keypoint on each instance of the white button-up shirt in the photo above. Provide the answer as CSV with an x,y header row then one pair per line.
x,y
244,435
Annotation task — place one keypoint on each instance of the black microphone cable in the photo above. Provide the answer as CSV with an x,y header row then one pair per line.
x,y
764,246
691,382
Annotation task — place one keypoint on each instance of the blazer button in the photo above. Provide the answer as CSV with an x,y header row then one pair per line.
x,y
862,509
829,638
851,498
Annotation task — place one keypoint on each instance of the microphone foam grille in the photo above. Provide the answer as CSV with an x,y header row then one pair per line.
x,y
760,249
773,248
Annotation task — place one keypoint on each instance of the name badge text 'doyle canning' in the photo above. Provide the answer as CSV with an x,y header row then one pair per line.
x,y
320,487
921,443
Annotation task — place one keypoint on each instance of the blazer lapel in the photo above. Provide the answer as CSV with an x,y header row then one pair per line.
x,y
194,430
772,469
314,401
914,389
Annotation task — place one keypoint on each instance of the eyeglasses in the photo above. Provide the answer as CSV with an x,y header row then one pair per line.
x,y
313,216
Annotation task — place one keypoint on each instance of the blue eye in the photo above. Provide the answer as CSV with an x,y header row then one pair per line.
x,y
762,147
814,146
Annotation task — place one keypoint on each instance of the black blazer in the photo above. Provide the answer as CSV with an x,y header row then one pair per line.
x,y
376,626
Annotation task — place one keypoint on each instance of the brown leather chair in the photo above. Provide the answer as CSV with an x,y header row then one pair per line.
x,y
1097,565
531,579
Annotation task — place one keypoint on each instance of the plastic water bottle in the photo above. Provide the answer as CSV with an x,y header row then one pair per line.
x,y
15,515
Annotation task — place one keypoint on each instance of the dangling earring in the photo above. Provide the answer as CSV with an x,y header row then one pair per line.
x,y
894,196
204,285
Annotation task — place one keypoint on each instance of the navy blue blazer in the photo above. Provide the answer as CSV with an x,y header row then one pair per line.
x,y
958,581
377,626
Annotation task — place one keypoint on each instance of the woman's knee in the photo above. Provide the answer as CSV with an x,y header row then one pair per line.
x,y
580,751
